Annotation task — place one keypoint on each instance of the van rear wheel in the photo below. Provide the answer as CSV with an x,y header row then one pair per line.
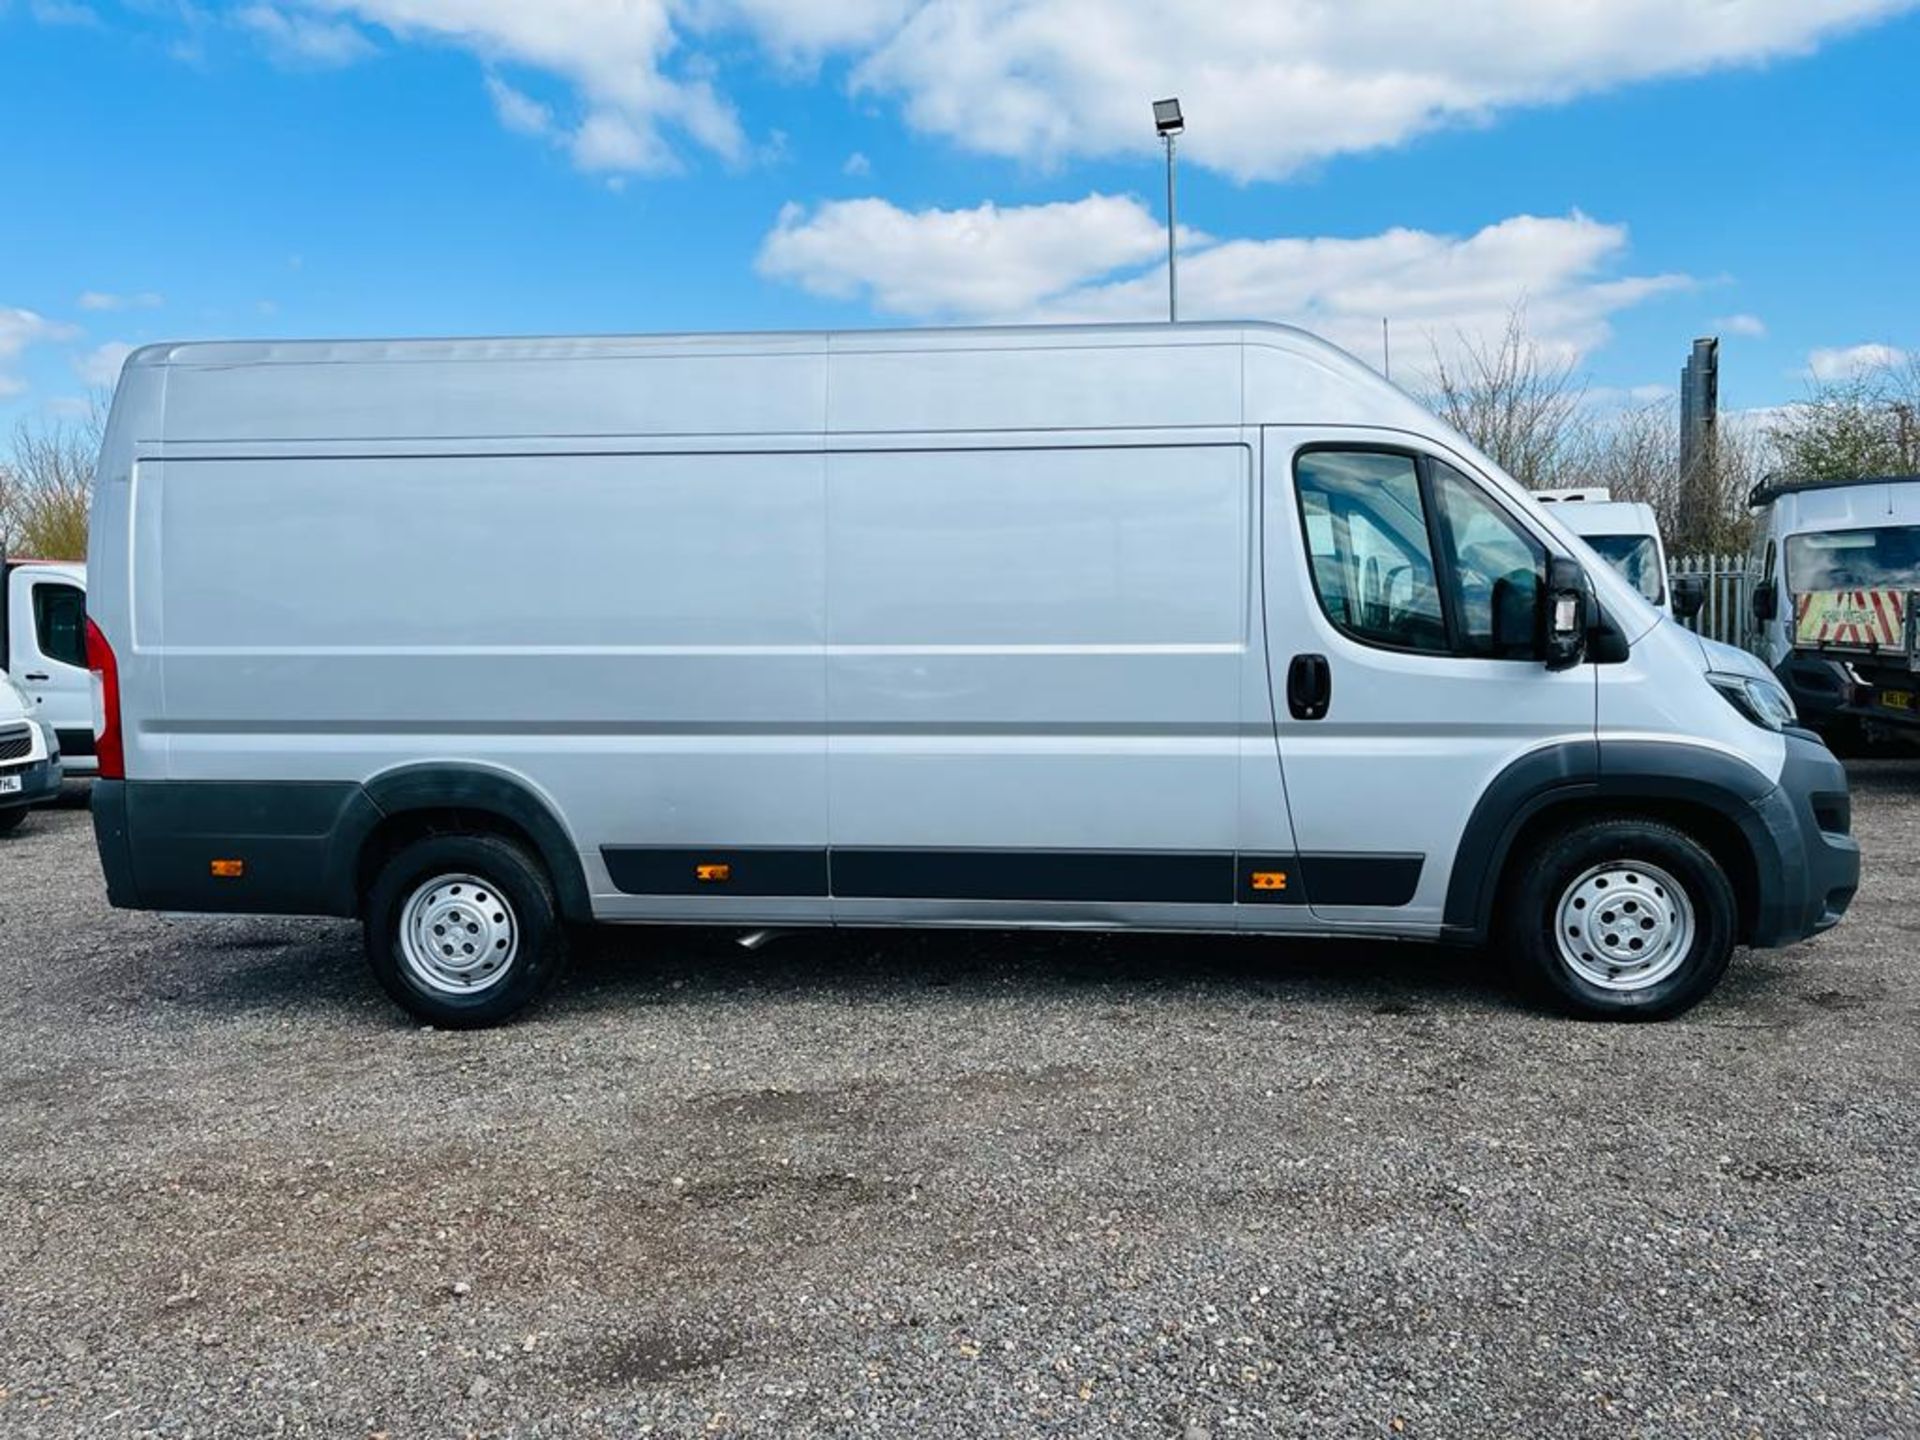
x,y
463,930
1622,919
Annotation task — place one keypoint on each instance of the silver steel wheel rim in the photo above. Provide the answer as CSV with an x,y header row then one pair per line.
x,y
458,935
1624,925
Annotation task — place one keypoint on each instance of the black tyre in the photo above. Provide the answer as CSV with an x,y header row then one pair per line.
x,y
1621,919
13,819
463,930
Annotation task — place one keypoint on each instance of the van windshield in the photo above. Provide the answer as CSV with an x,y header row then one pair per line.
x,y
1638,558
1884,559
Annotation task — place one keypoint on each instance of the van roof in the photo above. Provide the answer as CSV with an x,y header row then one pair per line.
x,y
1775,486
1038,377
1607,517
524,347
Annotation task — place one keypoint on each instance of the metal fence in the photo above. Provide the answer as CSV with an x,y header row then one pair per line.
x,y
1724,616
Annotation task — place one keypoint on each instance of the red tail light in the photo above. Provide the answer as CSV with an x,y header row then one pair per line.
x,y
107,748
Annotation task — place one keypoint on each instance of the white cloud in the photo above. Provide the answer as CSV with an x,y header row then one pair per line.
x,y
1268,87
519,112
1851,362
104,300
70,407
18,330
1064,262
21,328
857,165
101,365
614,55
974,264
805,29
1751,327
304,39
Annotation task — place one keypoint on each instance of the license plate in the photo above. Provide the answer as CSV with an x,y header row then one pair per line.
x,y
1896,699
9,784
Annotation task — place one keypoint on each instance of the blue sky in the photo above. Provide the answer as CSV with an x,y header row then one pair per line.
x,y
1663,169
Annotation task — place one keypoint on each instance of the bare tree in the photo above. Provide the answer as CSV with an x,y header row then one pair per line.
x,y
1635,455
1522,407
46,485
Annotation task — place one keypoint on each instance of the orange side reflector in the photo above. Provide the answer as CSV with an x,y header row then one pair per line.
x,y
712,874
228,869
1269,879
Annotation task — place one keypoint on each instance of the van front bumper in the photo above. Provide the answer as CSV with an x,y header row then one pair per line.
x,y
39,783
1825,690
1809,878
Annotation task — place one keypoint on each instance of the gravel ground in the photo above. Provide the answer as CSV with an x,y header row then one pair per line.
x,y
971,1185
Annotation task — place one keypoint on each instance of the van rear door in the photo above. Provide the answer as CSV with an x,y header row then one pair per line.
x,y
1399,595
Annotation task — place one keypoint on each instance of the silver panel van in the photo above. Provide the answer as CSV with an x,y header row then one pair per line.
x,y
1197,627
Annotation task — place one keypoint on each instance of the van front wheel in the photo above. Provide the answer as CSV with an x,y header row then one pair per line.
x,y
1622,920
463,931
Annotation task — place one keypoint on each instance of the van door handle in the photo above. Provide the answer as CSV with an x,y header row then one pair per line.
x,y
41,678
1309,687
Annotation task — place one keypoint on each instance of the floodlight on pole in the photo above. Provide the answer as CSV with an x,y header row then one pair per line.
x,y
1168,122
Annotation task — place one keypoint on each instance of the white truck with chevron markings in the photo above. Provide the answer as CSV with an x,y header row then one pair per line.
x,y
1836,569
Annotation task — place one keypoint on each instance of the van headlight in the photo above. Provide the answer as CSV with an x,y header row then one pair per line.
x,y
1764,702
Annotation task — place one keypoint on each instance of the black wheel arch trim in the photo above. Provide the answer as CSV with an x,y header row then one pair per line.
x,y
462,785
1659,772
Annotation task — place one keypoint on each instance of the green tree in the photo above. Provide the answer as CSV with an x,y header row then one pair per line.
x,y
1858,425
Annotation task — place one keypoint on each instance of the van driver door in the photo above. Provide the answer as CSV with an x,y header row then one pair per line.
x,y
1400,595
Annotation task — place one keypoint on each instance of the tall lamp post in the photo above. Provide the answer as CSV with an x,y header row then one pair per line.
x,y
1167,121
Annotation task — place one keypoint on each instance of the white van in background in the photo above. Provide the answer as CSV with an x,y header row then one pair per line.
x,y
1837,567
43,646
1196,627
1626,534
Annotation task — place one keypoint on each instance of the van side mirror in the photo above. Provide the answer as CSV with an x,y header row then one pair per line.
x,y
1567,612
1689,595
1766,600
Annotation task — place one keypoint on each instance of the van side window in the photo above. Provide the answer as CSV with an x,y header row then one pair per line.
x,y
1366,529
1498,570
60,622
